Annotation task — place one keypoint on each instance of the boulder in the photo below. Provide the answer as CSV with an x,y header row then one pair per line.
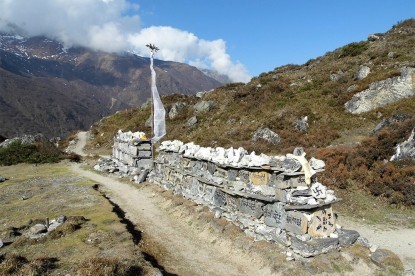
x,y
38,229
406,149
313,247
301,124
2,179
362,73
175,109
388,122
385,258
383,92
191,122
336,76
348,237
204,106
25,139
267,135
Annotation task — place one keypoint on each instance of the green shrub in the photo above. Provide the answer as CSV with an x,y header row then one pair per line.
x,y
17,152
354,49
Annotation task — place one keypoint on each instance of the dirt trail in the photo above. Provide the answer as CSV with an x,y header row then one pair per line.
x,y
188,254
81,142
399,240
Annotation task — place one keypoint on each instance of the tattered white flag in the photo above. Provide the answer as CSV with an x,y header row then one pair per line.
x,y
159,113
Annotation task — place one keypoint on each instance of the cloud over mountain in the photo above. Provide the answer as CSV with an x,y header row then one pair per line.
x,y
114,26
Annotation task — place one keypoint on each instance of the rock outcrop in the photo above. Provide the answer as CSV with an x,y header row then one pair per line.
x,y
406,149
384,92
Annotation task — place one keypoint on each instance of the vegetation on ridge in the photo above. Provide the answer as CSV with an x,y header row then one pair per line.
x,y
355,156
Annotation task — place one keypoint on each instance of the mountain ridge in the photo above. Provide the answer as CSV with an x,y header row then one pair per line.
x,y
78,86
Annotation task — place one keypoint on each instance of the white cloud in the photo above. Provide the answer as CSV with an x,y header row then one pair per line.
x,y
104,25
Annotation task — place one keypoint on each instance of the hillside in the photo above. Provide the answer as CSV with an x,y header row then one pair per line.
x,y
319,89
49,89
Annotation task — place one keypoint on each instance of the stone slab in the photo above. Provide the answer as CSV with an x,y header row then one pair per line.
x,y
232,203
211,167
259,178
219,199
275,215
323,223
251,207
209,193
314,246
296,223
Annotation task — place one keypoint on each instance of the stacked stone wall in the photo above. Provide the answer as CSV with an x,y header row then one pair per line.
x,y
271,198
131,155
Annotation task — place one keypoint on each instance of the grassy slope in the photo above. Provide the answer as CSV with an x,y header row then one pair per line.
x,y
53,191
277,98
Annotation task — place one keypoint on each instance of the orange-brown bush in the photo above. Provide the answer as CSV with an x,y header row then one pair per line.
x,y
366,167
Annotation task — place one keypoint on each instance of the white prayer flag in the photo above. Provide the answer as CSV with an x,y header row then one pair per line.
x,y
159,113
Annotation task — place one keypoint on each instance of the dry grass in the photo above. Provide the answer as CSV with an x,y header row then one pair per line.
x,y
53,191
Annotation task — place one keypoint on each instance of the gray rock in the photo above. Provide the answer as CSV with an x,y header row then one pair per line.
x,y
290,165
351,87
381,257
301,124
348,237
406,149
191,122
373,37
383,92
142,177
175,109
267,135
313,247
61,219
37,229
204,106
25,139
2,179
362,73
1,243
391,55
336,76
389,122
363,241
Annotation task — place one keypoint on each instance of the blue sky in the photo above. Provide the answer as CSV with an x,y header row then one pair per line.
x,y
239,38
265,34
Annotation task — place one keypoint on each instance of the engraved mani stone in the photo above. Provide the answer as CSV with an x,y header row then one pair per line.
x,y
259,178
275,215
323,223
232,203
219,199
296,223
251,207
296,181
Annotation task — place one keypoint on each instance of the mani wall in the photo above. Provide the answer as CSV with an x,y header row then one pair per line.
x,y
274,198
